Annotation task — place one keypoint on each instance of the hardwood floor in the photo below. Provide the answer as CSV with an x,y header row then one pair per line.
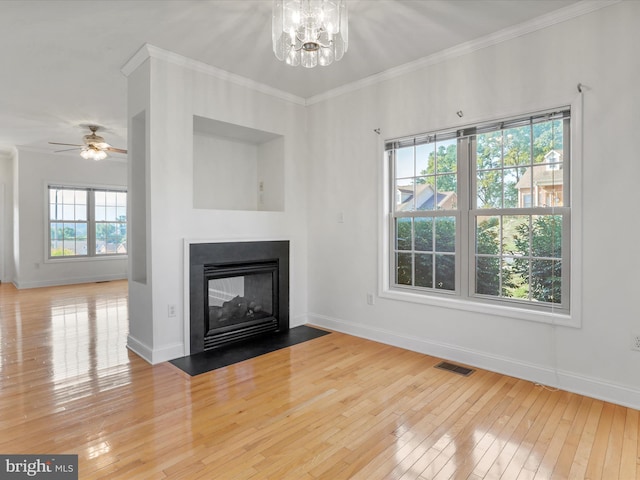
x,y
337,407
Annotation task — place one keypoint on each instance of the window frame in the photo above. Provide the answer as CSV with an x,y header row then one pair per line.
x,y
96,222
465,262
434,213
91,223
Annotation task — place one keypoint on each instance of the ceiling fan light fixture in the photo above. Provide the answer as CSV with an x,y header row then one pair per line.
x,y
94,147
91,152
309,32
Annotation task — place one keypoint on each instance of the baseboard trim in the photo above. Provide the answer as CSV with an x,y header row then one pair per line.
x,y
155,356
67,281
168,352
569,381
139,349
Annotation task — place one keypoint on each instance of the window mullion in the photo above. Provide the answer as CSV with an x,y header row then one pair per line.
x,y
534,199
91,223
392,181
465,188
566,165
565,289
392,217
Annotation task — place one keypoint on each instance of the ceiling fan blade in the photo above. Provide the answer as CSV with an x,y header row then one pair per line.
x,y
69,144
116,150
65,150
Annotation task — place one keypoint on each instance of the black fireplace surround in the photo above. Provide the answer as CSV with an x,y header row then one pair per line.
x,y
259,271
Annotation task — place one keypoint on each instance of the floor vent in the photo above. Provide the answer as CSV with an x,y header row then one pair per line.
x,y
451,367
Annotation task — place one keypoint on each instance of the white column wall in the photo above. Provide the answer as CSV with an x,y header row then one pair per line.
x,y
141,330
177,93
529,73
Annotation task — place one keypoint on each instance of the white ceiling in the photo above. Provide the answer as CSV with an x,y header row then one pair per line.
x,y
61,60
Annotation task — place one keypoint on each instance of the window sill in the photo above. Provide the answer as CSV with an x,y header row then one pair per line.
x,y
550,318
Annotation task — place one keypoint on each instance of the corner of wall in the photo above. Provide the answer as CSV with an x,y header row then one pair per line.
x,y
157,355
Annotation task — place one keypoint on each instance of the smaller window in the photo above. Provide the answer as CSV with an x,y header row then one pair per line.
x,y
86,222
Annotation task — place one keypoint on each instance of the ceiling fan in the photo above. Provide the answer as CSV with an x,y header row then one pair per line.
x,y
94,147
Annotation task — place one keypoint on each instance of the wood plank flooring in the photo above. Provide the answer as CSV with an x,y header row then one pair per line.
x,y
337,407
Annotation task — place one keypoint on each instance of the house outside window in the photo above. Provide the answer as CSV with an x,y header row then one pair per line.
x,y
86,222
482,212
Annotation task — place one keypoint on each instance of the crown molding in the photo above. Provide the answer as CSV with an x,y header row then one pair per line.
x,y
151,51
137,59
562,15
7,151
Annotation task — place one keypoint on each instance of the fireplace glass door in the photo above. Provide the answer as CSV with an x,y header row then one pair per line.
x,y
241,301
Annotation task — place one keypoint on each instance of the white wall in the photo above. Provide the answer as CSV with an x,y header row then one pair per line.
x,y
177,93
33,172
6,217
532,72
270,175
225,175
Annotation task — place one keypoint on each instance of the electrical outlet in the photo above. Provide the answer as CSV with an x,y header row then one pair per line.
x,y
171,310
635,343
370,300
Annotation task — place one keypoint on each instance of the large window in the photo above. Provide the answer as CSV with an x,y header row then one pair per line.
x,y
483,212
87,222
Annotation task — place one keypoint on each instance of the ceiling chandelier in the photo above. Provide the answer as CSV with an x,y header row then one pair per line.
x,y
309,32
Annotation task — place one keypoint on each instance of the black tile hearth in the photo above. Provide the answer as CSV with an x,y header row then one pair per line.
x,y
222,357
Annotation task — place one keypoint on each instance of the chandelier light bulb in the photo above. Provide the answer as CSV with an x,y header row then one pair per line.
x,y
309,32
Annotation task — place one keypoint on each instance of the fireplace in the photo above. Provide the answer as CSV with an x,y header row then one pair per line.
x,y
238,291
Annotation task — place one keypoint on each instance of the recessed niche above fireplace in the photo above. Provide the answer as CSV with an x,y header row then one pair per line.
x,y
236,167
238,291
